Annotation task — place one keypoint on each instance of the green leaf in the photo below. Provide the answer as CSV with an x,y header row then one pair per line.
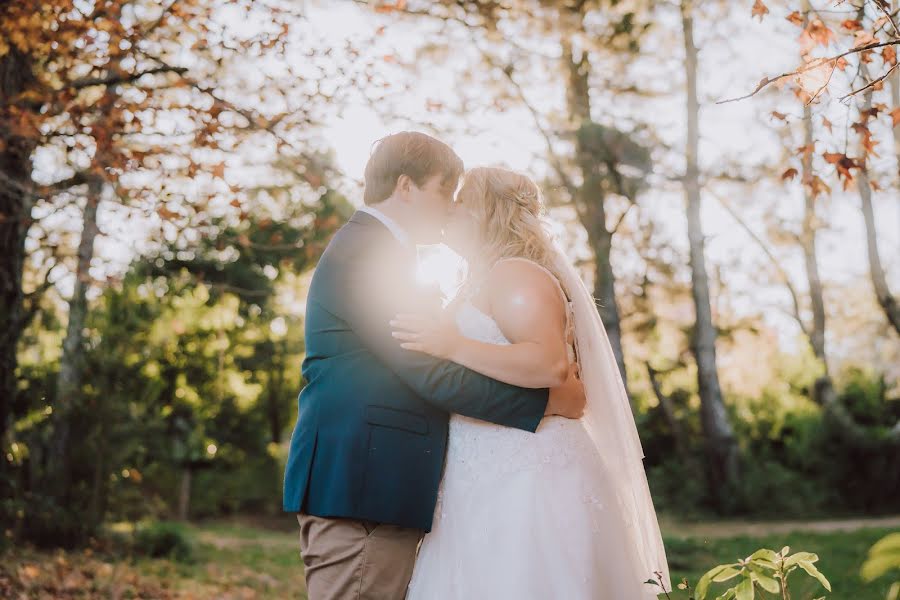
x,y
764,580
726,574
800,556
744,590
876,566
764,553
889,542
812,570
727,595
764,563
703,584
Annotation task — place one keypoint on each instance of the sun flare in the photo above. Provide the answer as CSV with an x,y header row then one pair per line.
x,y
439,265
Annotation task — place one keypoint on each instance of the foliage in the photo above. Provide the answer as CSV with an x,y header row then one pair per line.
x,y
884,559
163,540
190,383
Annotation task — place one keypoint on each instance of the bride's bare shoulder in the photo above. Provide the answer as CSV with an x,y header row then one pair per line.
x,y
522,288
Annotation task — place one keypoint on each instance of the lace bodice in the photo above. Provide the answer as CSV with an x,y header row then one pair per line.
x,y
478,449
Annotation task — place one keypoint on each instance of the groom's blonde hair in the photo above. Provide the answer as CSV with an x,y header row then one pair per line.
x,y
509,208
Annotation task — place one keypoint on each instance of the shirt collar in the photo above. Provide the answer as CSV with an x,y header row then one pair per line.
x,y
398,232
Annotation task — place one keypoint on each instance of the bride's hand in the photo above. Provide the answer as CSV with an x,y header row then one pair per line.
x,y
437,336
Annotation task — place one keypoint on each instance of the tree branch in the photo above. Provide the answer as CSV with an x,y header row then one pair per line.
x,y
123,77
782,274
811,65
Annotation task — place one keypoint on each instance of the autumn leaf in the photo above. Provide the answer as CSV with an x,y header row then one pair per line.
x,y
759,9
889,55
795,18
826,124
864,38
852,25
895,116
844,165
789,174
779,116
819,32
165,214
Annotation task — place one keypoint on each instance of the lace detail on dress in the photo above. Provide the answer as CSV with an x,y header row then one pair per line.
x,y
479,451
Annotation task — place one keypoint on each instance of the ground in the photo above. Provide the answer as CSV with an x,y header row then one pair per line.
x,y
259,560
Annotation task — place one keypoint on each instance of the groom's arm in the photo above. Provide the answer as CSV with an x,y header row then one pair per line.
x,y
367,303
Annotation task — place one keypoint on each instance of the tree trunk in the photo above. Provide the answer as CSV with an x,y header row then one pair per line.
x,y
816,332
721,446
876,271
184,494
70,368
15,216
886,299
590,200
665,404
894,81
276,388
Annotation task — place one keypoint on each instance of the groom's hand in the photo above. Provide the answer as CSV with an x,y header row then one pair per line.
x,y
567,400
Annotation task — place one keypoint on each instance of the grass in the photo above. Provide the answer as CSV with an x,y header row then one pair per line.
x,y
235,560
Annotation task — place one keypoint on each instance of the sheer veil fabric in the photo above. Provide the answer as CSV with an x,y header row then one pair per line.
x,y
610,424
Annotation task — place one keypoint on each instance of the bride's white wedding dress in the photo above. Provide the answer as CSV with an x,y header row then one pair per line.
x,y
524,515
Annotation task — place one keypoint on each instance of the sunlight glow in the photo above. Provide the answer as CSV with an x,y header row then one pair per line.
x,y
440,266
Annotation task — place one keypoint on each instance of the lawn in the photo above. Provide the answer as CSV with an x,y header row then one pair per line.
x,y
233,560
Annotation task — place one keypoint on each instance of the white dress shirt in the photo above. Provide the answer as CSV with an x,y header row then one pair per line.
x,y
395,229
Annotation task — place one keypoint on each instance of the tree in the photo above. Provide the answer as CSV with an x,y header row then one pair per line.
x,y
139,100
721,445
872,31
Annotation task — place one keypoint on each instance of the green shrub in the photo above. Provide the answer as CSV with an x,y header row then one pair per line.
x,y
163,540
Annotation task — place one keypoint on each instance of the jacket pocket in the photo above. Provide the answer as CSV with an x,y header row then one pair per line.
x,y
396,419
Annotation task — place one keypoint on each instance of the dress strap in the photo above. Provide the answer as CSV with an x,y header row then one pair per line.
x,y
569,307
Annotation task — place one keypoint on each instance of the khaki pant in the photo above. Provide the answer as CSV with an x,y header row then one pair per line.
x,y
346,559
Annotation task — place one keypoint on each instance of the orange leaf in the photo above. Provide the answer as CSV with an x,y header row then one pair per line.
x,y
895,116
789,174
778,115
165,214
889,55
826,124
851,25
759,9
833,157
795,18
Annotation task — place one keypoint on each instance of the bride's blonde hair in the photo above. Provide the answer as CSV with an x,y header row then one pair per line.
x,y
509,208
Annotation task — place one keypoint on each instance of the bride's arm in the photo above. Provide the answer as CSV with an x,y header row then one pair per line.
x,y
528,307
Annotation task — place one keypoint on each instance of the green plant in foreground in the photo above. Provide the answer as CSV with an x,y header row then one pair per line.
x,y
884,556
764,568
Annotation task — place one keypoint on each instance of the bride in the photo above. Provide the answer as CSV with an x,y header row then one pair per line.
x,y
564,512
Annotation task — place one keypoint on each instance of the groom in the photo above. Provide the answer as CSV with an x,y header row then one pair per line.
x,y
368,448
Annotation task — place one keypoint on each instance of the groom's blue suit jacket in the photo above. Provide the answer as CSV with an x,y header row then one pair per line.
x,y
371,431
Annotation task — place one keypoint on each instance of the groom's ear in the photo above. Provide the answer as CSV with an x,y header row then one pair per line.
x,y
404,183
